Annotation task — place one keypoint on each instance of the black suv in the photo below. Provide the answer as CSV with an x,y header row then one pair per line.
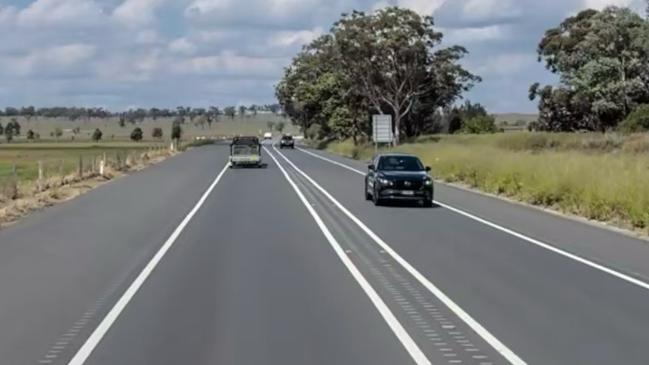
x,y
286,141
398,177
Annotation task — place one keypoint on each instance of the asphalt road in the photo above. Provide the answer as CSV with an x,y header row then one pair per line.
x,y
189,262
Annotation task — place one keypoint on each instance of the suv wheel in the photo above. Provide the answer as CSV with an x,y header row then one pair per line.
x,y
368,196
375,198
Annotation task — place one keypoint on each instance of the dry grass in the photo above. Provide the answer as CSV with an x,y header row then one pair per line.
x,y
32,196
600,177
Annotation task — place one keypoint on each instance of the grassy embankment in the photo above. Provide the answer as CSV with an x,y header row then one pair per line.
x,y
597,176
68,170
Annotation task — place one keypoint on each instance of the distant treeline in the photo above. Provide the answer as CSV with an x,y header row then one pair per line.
x,y
139,114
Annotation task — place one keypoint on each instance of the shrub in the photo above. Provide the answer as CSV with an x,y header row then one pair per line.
x,y
97,134
479,125
30,134
157,133
176,131
637,121
314,131
137,134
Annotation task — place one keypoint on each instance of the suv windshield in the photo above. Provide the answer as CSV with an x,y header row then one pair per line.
x,y
400,163
287,138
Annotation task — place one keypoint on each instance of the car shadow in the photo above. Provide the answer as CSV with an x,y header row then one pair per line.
x,y
408,204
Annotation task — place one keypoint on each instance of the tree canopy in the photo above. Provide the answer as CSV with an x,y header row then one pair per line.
x,y
386,62
602,60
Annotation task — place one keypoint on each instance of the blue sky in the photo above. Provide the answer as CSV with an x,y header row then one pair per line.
x,y
130,53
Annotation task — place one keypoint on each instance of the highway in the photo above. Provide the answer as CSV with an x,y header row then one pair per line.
x,y
189,262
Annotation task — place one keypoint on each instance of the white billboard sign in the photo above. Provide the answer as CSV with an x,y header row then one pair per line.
x,y
382,128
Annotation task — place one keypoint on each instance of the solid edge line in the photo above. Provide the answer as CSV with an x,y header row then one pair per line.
x,y
91,343
511,232
455,308
394,324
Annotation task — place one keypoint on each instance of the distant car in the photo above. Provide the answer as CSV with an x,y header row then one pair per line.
x,y
268,135
286,142
398,177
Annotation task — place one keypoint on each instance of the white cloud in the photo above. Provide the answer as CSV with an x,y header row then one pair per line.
x,y
147,36
506,64
294,38
488,9
60,13
183,46
476,34
600,4
136,12
55,59
424,7
230,63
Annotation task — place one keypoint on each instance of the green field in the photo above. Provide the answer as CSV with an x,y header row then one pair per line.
x,y
224,126
59,158
597,176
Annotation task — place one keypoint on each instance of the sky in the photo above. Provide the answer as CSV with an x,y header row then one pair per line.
x,y
121,54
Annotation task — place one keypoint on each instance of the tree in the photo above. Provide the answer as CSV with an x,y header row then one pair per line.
x,y
122,120
270,125
391,56
459,115
58,132
97,134
386,62
602,60
479,125
137,134
9,135
30,135
2,130
242,110
230,111
637,121
280,126
13,126
176,131
157,133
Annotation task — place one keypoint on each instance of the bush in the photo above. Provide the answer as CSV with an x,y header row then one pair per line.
x,y
479,125
313,132
637,121
97,134
176,131
157,133
137,134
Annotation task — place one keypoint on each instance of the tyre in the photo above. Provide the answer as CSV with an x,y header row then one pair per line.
x,y
368,196
427,203
375,198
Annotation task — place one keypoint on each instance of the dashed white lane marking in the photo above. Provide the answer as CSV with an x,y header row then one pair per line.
x,y
511,232
459,312
406,340
96,336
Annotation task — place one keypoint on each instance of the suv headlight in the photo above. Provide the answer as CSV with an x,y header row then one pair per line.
x,y
385,181
428,181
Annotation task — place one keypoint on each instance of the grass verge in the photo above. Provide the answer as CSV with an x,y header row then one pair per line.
x,y
599,177
22,193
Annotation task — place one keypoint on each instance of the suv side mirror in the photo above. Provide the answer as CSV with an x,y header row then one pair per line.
x,y
370,167
428,168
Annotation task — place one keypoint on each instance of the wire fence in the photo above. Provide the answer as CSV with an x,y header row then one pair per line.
x,y
28,177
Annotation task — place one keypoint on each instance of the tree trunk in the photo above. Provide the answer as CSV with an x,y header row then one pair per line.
x,y
397,126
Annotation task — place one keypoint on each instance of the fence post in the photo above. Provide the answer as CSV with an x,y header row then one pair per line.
x,y
61,172
80,170
40,176
102,165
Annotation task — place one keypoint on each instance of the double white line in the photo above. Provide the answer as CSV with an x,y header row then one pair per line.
x,y
403,336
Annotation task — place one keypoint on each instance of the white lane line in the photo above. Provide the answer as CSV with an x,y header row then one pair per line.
x,y
84,352
511,232
396,327
459,312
